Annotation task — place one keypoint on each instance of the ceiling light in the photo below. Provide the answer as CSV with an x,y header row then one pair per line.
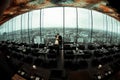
x,y
11,13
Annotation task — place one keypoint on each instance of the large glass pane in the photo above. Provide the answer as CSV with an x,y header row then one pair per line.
x,y
76,25
42,33
98,27
114,31
119,32
36,26
7,30
18,28
25,27
10,29
70,24
2,32
30,27
84,28
14,29
104,28
109,29
52,23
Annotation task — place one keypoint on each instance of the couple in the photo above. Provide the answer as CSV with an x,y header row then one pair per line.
x,y
58,39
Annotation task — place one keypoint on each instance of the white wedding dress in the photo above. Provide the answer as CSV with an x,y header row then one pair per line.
x,y
56,41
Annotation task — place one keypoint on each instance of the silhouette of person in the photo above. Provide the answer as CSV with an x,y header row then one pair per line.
x,y
58,39
58,42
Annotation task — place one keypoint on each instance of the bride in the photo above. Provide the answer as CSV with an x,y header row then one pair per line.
x,y
57,39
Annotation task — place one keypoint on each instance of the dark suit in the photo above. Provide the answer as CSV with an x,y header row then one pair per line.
x,y
60,40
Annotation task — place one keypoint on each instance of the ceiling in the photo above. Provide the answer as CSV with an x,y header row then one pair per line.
x,y
13,8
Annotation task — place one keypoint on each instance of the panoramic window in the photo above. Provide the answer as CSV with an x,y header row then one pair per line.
x,y
75,25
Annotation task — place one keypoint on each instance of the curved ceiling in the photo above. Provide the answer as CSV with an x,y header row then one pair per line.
x,y
17,7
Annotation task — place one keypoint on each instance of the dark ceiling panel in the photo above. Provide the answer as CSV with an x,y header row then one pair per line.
x,y
17,7
115,4
3,5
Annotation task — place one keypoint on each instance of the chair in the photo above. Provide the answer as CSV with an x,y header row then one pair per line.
x,y
67,47
95,62
91,46
68,64
41,45
56,74
98,53
81,47
50,63
38,62
87,54
68,55
28,59
52,55
104,60
83,64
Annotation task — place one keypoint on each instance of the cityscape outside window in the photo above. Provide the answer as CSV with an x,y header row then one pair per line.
x,y
75,25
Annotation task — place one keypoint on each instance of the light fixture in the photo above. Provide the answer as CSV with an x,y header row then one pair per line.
x,y
34,66
42,79
99,66
19,71
106,74
77,49
22,73
99,77
11,13
32,77
109,72
8,56
37,78
24,50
